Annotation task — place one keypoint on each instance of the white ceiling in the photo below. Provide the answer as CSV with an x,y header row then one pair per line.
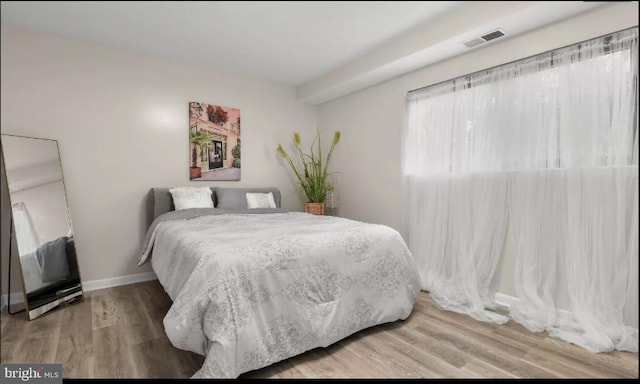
x,y
324,49
440,39
285,42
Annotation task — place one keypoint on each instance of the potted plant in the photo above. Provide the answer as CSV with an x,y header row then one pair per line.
x,y
235,152
200,140
311,170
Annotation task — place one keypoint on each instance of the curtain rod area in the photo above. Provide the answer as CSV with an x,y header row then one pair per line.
x,y
409,93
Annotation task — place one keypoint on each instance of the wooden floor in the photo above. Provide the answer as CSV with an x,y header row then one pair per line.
x,y
118,333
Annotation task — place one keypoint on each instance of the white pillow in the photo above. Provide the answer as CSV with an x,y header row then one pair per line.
x,y
191,197
260,200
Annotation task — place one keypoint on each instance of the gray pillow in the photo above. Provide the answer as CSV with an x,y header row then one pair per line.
x,y
160,201
52,256
236,198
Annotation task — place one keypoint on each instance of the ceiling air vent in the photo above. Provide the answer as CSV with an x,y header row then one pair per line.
x,y
492,35
474,42
483,39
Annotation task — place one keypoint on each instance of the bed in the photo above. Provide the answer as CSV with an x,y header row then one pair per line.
x,y
51,262
251,287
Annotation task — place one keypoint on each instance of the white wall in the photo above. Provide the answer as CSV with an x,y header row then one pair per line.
x,y
369,182
121,120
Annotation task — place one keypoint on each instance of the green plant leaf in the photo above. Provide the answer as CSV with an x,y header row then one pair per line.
x,y
312,169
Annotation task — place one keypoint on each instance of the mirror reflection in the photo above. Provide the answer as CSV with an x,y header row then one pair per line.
x,y
41,223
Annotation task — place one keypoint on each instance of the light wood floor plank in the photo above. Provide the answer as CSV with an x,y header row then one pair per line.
x,y
14,330
486,353
121,306
423,357
156,305
152,359
36,340
365,351
75,349
118,332
313,364
430,307
51,321
327,366
4,320
112,355
363,368
103,308
389,352
479,336
442,351
38,346
477,368
557,365
611,364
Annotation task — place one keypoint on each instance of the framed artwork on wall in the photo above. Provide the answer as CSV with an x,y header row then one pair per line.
x,y
214,142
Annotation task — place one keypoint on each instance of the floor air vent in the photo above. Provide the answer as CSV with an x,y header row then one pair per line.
x,y
483,39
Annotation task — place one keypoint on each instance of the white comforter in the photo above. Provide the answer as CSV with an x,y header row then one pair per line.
x,y
250,290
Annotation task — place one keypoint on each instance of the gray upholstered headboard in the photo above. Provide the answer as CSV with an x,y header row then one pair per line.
x,y
159,200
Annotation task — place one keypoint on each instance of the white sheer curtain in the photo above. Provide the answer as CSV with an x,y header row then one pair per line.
x,y
535,160
26,236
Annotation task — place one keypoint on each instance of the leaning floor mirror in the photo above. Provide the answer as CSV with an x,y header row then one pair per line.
x,y
41,223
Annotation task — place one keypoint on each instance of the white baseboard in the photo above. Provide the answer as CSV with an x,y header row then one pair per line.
x,y
16,298
93,285
505,300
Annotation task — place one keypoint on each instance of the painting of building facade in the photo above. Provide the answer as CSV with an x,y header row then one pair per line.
x,y
214,142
